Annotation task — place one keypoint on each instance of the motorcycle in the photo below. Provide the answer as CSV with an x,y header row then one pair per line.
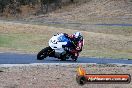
x,y
58,48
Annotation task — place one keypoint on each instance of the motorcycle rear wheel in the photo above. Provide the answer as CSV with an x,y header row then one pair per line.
x,y
63,58
74,58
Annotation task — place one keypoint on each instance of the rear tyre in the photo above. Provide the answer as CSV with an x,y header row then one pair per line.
x,y
63,58
43,53
74,58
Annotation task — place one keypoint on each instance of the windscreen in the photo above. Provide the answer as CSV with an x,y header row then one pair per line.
x,y
62,38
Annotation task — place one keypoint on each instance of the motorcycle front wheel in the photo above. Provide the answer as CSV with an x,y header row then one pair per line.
x,y
43,53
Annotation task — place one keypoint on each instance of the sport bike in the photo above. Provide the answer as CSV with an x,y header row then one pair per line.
x,y
58,48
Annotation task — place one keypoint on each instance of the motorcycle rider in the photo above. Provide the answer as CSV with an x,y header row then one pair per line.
x,y
77,41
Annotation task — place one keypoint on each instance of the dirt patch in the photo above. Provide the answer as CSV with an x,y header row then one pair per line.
x,y
102,8
57,76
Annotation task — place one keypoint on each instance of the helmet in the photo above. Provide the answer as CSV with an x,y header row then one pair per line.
x,y
77,34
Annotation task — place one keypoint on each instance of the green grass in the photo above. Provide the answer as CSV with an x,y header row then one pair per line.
x,y
24,42
106,54
6,40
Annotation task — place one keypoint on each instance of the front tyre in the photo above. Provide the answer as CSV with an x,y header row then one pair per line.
x,y
43,53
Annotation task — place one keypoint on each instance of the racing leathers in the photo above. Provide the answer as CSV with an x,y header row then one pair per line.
x,y
77,44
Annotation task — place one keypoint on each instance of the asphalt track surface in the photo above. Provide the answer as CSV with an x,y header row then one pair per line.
x,y
115,24
15,58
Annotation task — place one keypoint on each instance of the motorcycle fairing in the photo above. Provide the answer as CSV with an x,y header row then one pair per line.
x,y
57,41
